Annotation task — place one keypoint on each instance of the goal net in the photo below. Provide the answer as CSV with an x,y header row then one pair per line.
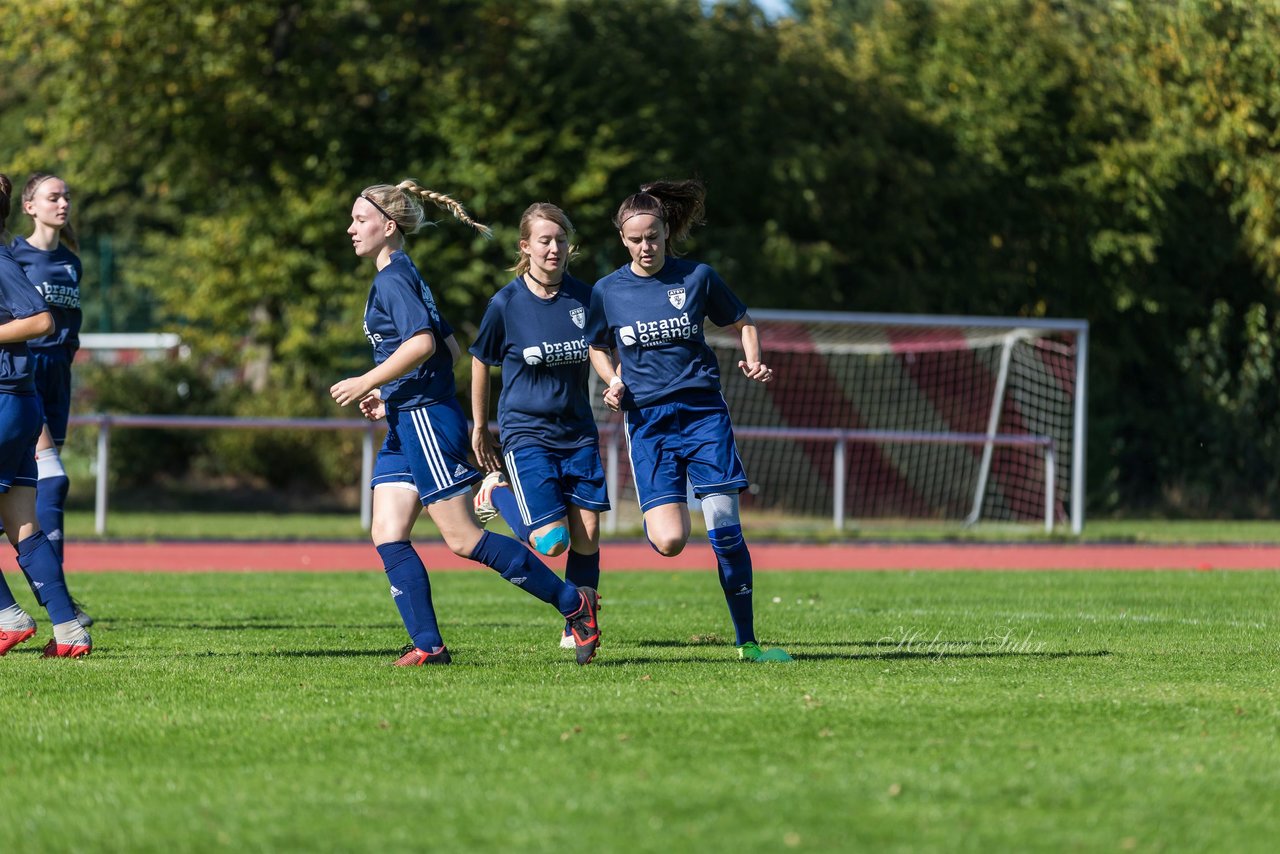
x,y
902,417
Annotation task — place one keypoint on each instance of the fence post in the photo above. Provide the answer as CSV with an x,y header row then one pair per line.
x,y
1050,486
366,477
838,485
104,469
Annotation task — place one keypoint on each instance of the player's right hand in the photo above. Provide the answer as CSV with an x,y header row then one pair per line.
x,y
485,449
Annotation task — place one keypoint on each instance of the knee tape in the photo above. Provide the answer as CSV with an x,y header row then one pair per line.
x,y
548,542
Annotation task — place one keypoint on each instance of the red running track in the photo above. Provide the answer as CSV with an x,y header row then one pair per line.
x,y
361,557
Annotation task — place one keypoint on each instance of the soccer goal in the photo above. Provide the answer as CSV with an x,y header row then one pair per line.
x,y
906,417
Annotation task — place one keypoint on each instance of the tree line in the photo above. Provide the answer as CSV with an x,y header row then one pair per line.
x,y
1102,159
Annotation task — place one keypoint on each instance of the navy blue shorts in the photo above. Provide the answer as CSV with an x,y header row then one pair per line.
x,y
688,442
20,422
546,481
426,450
53,383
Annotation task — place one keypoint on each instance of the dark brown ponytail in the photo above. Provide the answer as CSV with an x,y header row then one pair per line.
x,y
679,204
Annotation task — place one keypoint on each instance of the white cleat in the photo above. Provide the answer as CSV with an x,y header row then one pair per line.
x,y
485,511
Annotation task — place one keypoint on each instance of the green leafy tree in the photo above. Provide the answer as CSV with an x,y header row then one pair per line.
x,y
1110,160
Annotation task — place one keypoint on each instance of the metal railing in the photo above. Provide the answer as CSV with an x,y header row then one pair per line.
x,y
611,440
105,422
840,441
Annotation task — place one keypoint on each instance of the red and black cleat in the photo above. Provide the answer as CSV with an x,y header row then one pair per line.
x,y
414,657
584,626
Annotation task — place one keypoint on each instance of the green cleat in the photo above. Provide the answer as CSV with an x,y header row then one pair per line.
x,y
751,651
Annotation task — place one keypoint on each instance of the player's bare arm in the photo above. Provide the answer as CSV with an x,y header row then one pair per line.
x,y
409,355
751,366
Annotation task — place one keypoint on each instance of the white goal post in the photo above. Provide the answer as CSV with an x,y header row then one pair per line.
x,y
895,416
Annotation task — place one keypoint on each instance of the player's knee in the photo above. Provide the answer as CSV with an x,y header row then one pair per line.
x,y
551,543
462,543
667,546
387,532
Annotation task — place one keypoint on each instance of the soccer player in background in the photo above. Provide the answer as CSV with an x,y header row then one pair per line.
x,y
423,461
652,311
48,258
552,491
24,315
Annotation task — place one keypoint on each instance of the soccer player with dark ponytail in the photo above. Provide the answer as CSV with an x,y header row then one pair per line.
x,y
423,461
652,312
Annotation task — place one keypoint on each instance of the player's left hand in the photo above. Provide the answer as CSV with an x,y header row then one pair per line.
x,y
372,407
613,396
349,390
758,371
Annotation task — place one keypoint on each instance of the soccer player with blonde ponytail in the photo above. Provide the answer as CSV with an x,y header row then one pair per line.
x,y
24,315
48,258
552,491
423,461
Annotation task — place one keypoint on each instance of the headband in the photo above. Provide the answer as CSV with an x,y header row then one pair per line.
x,y
660,217
379,207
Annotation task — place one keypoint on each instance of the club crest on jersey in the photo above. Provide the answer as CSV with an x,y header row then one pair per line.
x,y
532,355
675,296
71,271
578,316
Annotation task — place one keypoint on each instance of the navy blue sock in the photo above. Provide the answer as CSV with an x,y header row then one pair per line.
x,y
43,569
411,591
522,568
6,595
583,570
51,501
734,562
505,500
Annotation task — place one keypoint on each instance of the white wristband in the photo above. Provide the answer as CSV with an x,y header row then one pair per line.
x,y
616,380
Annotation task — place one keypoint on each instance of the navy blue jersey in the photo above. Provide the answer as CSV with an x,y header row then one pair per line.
x,y
656,323
56,274
400,306
542,348
17,300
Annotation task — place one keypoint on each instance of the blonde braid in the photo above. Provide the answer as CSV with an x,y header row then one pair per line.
x,y
444,202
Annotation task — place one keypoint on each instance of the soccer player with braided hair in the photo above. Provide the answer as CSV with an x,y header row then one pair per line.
x,y
24,315
651,313
423,461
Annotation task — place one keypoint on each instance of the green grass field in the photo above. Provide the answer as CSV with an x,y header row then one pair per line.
x,y
925,711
